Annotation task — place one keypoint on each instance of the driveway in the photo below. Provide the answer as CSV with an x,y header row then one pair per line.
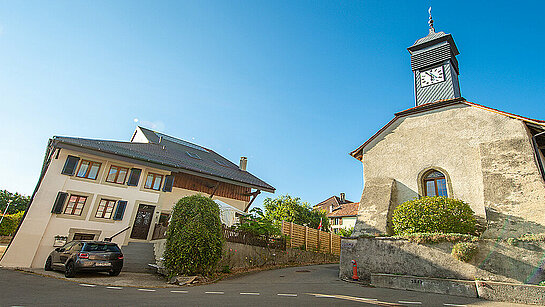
x,y
302,286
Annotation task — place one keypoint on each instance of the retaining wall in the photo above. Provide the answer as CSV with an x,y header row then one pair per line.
x,y
495,260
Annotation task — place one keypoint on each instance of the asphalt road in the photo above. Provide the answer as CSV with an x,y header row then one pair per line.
x,y
299,286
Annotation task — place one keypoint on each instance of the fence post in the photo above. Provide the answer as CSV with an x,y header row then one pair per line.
x,y
291,234
319,240
306,237
330,243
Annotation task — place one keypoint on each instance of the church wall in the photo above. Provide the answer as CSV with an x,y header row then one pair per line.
x,y
453,139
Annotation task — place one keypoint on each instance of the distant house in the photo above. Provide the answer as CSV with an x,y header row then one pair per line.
x,y
343,216
341,212
96,189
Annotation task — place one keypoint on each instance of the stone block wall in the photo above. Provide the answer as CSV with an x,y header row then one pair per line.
x,y
495,260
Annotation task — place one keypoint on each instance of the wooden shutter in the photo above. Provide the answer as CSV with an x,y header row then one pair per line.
x,y
169,181
120,210
59,202
70,165
134,177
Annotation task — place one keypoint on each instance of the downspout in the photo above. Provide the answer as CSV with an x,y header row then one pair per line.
x,y
538,157
51,146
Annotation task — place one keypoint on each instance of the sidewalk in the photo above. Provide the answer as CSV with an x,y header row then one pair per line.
x,y
125,279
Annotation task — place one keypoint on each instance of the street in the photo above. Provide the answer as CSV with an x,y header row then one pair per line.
x,y
301,286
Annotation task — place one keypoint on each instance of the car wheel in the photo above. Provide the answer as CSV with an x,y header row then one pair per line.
x,y
70,270
47,266
114,272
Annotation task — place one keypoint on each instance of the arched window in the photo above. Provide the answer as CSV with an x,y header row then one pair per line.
x,y
435,184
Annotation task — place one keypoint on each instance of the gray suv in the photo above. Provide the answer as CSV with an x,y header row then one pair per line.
x,y
76,256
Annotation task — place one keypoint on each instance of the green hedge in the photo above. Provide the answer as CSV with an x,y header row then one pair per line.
x,y
434,214
9,223
194,237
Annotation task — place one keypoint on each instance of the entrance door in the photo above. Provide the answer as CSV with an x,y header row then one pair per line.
x,y
142,222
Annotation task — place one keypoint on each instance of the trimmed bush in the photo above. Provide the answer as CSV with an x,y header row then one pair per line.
x,y
434,214
194,237
464,251
10,222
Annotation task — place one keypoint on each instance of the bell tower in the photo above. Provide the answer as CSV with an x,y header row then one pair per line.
x,y
435,68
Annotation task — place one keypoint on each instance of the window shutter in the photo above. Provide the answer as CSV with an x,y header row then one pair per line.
x,y
169,181
120,210
134,177
59,202
70,165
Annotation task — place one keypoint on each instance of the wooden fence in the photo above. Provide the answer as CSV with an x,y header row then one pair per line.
x,y
311,239
239,236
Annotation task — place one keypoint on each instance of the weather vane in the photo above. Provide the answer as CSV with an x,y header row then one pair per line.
x,y
430,22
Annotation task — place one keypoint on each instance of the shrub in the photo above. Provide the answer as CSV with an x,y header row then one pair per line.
x,y
257,224
434,214
464,251
346,232
194,237
10,222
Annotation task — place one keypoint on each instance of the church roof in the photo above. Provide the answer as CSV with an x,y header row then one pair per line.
x,y
358,152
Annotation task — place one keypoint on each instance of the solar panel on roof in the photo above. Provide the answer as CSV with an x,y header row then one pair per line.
x,y
181,142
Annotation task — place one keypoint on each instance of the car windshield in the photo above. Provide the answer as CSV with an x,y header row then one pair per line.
x,y
97,247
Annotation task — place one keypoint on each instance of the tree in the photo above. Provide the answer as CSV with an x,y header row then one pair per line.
x,y
194,237
18,202
292,209
257,224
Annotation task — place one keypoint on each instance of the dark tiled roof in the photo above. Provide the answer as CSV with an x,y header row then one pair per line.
x,y
345,210
428,38
332,201
174,155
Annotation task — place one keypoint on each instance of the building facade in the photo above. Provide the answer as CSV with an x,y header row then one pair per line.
x,y
98,189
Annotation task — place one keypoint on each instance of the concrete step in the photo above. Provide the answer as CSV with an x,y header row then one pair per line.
x,y
137,256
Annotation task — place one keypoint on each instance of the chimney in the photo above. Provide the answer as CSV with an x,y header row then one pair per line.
x,y
343,198
243,163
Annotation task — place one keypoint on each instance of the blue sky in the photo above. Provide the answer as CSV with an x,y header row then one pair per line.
x,y
293,85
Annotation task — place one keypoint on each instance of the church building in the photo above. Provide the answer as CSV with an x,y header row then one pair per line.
x,y
448,146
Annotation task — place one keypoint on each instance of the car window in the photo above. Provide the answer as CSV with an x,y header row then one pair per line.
x,y
76,247
97,247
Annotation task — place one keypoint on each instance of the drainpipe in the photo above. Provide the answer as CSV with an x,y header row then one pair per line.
x,y
538,157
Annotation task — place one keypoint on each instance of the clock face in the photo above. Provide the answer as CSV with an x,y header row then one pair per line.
x,y
432,76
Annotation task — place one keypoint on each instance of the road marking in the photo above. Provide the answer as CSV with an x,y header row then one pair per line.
x,y
286,294
455,305
409,302
179,291
148,290
115,288
249,293
372,301
214,292
87,285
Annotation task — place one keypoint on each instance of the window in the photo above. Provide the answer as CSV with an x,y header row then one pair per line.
x,y
105,208
193,155
117,174
75,205
435,184
88,169
153,181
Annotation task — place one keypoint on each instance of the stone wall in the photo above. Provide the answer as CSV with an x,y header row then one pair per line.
x,y
496,260
236,255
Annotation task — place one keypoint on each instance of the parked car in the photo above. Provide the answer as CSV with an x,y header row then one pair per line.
x,y
76,256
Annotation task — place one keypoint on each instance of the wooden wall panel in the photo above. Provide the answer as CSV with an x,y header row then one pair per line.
x,y
207,186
